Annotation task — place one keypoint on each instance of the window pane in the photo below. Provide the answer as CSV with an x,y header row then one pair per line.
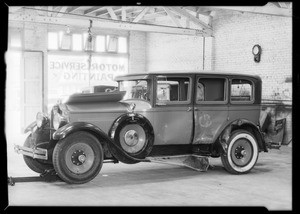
x,y
122,45
210,89
241,90
112,43
52,40
172,89
100,43
77,42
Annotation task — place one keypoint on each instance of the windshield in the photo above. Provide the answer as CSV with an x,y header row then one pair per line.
x,y
135,89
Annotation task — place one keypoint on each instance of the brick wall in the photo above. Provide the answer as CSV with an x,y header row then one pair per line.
x,y
173,52
137,52
234,36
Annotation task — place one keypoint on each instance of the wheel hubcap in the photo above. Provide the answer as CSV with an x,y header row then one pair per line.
x,y
133,138
241,152
79,158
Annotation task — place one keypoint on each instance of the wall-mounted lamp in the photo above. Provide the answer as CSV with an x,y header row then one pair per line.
x,y
256,50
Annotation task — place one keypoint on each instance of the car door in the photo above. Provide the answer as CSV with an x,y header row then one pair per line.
x,y
211,108
173,112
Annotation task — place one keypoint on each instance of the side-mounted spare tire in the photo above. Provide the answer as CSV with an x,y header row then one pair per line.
x,y
134,136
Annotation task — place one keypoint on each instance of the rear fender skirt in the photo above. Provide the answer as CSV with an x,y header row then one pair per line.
x,y
242,124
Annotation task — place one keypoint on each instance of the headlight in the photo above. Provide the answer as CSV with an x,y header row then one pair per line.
x,y
58,121
59,116
41,119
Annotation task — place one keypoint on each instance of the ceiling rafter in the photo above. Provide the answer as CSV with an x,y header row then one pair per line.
x,y
13,9
172,17
108,24
73,9
141,14
93,10
50,10
123,14
260,10
61,11
112,13
192,18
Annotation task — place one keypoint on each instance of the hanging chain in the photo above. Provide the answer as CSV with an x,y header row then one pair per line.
x,y
89,40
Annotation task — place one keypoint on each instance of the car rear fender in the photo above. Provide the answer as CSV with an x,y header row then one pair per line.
x,y
244,125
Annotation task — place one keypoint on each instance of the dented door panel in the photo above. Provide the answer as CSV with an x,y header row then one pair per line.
x,y
209,122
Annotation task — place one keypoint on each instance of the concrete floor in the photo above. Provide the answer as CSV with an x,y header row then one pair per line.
x,y
151,184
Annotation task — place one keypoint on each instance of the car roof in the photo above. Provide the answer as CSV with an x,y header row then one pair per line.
x,y
146,75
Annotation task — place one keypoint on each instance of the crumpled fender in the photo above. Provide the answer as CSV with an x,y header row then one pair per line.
x,y
242,123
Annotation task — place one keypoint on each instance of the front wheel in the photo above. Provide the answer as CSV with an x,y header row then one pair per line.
x,y
78,158
241,154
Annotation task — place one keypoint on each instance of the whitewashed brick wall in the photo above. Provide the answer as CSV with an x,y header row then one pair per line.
x,y
137,52
234,36
173,52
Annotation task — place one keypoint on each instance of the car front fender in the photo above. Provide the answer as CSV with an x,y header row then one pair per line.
x,y
69,128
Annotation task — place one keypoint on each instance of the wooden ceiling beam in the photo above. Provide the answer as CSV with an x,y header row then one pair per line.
x,y
261,10
93,10
141,14
172,17
108,24
112,13
61,11
192,18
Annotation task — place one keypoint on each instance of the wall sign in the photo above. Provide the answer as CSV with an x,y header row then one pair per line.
x,y
68,74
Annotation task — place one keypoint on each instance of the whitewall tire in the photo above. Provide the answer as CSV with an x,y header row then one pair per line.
x,y
242,152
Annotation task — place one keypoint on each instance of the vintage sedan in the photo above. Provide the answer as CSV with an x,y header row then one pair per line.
x,y
150,115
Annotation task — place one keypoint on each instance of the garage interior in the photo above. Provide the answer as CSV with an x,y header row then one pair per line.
x,y
53,50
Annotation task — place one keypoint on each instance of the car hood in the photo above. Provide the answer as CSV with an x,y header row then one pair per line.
x,y
102,102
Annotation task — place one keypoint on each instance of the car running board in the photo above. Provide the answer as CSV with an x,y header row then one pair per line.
x,y
195,162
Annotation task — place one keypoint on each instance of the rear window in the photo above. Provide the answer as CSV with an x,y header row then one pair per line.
x,y
211,90
241,90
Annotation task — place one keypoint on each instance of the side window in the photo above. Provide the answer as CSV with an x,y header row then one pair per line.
x,y
211,90
241,90
172,90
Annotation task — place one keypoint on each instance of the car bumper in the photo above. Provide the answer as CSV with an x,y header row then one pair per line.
x,y
35,153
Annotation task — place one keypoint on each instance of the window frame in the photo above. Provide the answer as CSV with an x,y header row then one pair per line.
x,y
169,103
203,102
251,101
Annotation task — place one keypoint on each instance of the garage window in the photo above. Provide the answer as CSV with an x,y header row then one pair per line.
x,y
76,42
53,40
100,43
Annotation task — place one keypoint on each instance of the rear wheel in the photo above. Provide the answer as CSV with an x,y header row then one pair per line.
x,y
242,152
34,164
78,158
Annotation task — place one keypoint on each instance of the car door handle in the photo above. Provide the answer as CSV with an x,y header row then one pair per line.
x,y
189,109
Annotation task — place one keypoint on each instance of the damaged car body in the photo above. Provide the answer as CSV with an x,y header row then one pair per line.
x,y
150,115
